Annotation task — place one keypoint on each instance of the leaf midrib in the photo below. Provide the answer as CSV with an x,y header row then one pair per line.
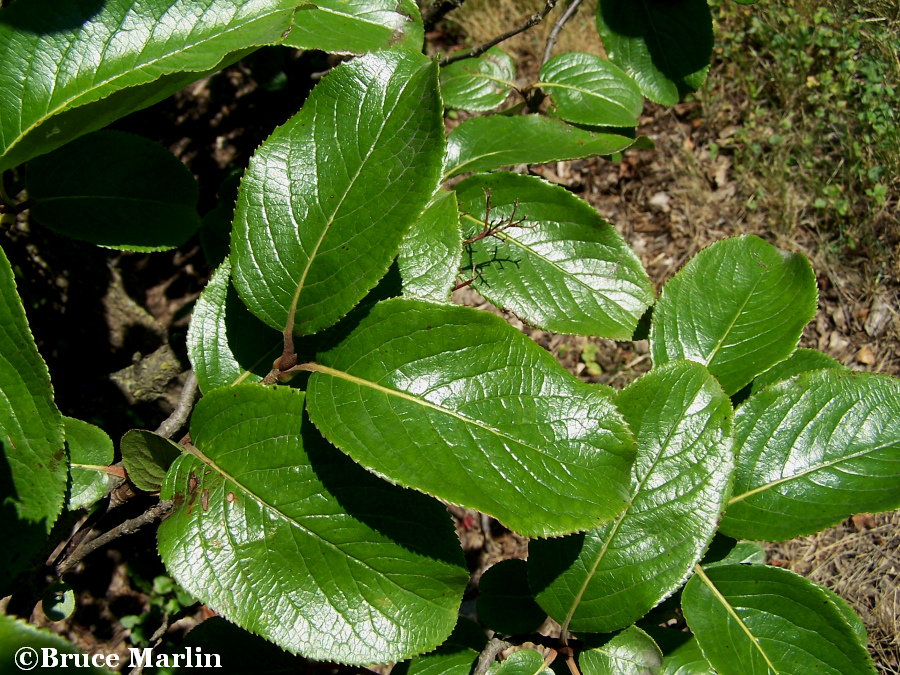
x,y
64,105
615,529
733,613
343,375
196,452
812,469
292,310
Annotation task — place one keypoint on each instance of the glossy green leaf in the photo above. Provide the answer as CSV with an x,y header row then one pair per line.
x,y
812,451
281,534
609,577
738,307
551,259
431,251
117,190
90,452
455,402
665,45
457,656
22,649
147,457
58,57
850,616
737,553
521,662
685,659
753,619
494,141
505,601
479,84
356,26
33,468
327,199
226,343
801,361
589,90
69,68
630,652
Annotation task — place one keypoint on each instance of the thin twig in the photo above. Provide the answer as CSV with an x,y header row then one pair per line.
x,y
532,21
557,28
179,416
128,527
438,10
488,654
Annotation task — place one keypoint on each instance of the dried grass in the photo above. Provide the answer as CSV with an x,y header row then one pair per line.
x,y
863,567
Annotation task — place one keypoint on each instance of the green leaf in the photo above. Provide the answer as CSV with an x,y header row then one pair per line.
x,y
430,254
685,658
521,662
850,616
23,645
479,84
812,451
69,68
589,90
552,260
226,343
738,307
607,578
147,457
753,619
630,652
33,469
734,553
283,535
327,199
494,141
505,601
356,26
455,402
456,656
90,452
665,45
801,361
117,190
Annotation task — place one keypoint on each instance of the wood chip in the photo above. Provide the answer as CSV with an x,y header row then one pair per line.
x,y
865,356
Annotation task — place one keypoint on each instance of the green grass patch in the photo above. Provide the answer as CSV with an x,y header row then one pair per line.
x,y
810,94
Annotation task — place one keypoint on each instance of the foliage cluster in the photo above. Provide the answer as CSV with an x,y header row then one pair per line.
x,y
345,397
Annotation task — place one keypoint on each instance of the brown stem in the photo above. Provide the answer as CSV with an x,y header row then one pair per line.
x,y
128,527
438,10
532,21
557,28
489,654
179,416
